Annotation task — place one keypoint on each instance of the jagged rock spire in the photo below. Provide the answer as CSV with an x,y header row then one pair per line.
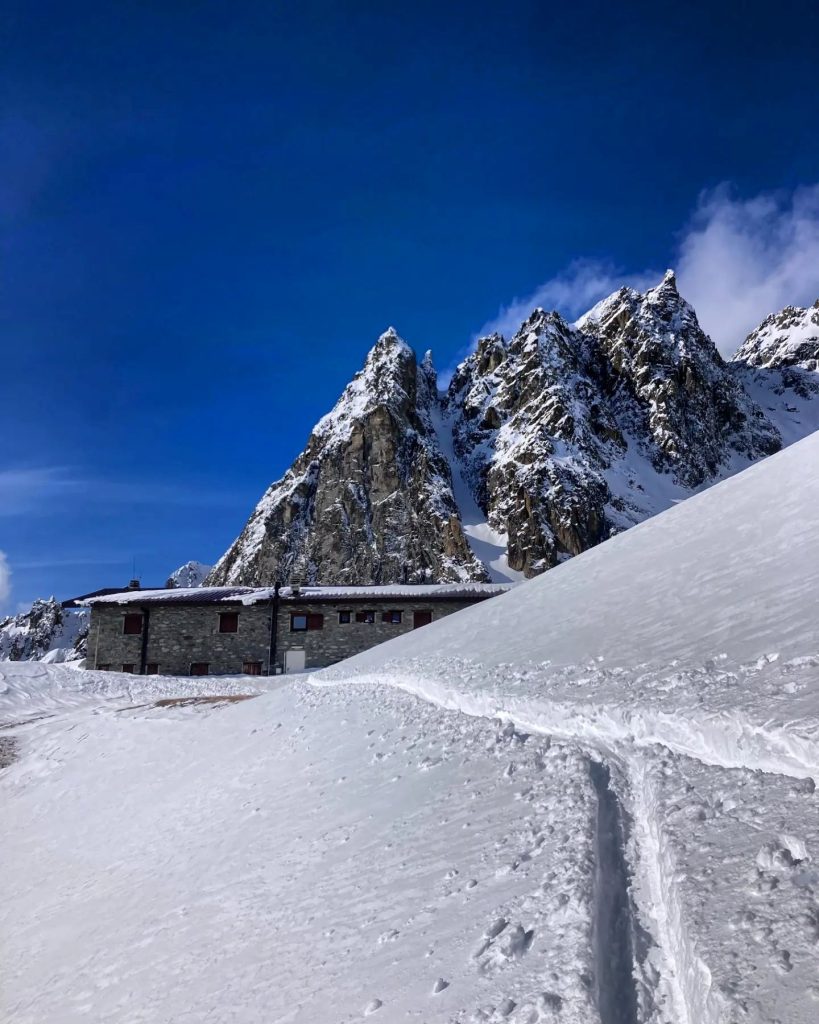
x,y
564,434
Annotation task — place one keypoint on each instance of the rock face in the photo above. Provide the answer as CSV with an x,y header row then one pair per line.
x,y
370,499
562,435
564,430
45,633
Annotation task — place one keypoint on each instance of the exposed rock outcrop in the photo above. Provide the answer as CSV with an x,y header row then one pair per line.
x,y
370,498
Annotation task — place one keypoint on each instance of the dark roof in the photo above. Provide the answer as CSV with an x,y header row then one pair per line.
x,y
395,594
77,602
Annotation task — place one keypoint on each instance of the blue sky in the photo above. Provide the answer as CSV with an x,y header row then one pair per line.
x,y
210,211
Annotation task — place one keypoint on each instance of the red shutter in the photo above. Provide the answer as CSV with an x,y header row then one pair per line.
x,y
228,622
421,619
132,624
315,620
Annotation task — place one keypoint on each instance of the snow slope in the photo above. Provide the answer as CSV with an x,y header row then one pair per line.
x,y
685,649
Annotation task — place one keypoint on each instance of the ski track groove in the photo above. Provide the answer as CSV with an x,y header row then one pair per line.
x,y
615,737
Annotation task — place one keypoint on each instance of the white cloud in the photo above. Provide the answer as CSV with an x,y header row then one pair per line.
x,y
5,579
741,259
44,490
571,292
24,490
737,260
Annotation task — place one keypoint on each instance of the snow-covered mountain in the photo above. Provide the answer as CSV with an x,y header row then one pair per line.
x,y
47,632
778,365
543,445
191,574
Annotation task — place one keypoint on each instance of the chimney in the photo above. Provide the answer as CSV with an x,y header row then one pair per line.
x,y
133,584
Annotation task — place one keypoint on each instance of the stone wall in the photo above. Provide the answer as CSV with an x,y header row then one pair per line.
x,y
336,640
182,634
178,636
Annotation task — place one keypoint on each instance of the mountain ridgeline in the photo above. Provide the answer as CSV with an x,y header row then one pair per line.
x,y
543,445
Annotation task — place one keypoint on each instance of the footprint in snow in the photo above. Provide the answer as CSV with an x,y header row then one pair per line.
x,y
439,986
372,1006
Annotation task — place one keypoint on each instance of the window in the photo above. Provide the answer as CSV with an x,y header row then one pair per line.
x,y
344,617
199,668
252,668
228,622
132,624
128,668
152,668
300,622
421,619
365,616
393,617
104,668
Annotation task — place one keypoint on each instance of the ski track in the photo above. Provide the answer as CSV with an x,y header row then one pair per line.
x,y
620,742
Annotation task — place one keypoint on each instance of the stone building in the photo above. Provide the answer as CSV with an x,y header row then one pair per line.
x,y
234,630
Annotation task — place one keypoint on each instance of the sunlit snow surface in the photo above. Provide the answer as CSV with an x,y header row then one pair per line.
x,y
310,855
589,800
686,652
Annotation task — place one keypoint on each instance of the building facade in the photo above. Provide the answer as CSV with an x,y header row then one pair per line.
x,y
260,631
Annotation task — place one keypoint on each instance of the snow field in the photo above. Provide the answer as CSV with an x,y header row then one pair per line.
x,y
311,855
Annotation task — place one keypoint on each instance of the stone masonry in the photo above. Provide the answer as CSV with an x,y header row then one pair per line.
x,y
181,635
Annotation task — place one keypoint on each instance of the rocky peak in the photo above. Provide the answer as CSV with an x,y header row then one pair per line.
x,y
669,385
45,631
370,499
789,338
558,437
191,574
517,408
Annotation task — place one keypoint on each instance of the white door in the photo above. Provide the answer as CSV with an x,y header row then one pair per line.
x,y
294,660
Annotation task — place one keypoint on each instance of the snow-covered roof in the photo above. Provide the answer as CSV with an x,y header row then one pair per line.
x,y
253,595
